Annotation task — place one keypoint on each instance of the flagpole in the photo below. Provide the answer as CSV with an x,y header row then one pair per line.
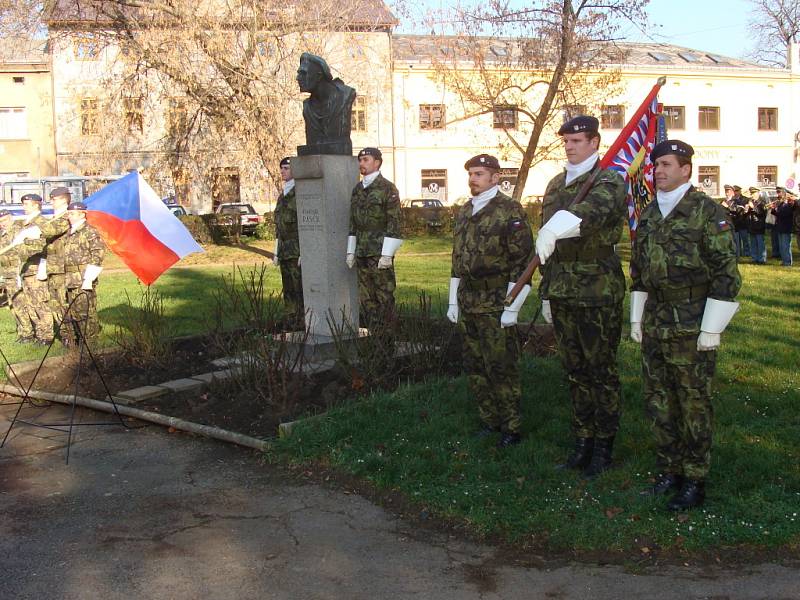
x,y
623,137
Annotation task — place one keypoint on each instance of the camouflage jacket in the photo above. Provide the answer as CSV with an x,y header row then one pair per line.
x,y
83,247
374,214
55,232
286,226
30,252
681,260
490,249
9,261
586,270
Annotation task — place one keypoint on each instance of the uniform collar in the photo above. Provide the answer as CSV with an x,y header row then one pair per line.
x,y
288,186
368,179
30,218
482,200
77,226
573,172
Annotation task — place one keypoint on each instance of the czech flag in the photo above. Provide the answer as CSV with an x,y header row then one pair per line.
x,y
138,227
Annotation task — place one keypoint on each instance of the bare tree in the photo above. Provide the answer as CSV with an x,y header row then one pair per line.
x,y
775,25
549,58
215,80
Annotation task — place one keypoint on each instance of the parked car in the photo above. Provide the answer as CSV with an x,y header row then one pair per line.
x,y
177,210
429,210
249,217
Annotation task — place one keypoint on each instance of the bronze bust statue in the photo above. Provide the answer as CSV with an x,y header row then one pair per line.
x,y
327,111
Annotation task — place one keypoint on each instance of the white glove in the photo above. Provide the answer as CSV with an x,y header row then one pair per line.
x,y
275,260
41,270
91,273
510,313
29,233
638,300
561,225
452,300
351,251
716,316
546,312
385,262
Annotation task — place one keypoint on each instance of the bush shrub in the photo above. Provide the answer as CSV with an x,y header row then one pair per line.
x,y
198,228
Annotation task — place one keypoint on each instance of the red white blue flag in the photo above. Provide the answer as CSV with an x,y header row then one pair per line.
x,y
138,227
629,155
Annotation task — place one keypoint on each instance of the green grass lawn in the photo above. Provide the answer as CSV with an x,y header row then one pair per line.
x,y
418,440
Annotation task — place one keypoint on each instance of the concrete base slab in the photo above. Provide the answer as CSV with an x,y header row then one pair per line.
x,y
143,393
182,385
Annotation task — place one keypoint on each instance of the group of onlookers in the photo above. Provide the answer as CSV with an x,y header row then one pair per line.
x,y
759,221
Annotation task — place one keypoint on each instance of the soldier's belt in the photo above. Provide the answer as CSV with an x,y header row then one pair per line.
x,y
695,292
486,283
584,254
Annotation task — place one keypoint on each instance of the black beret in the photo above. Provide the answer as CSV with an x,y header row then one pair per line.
x,y
581,124
373,152
76,206
60,191
482,160
676,147
5,213
32,198
286,161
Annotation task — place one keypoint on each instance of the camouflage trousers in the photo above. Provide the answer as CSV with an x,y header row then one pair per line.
x,y
292,278
375,291
677,392
491,363
587,340
82,318
57,288
31,307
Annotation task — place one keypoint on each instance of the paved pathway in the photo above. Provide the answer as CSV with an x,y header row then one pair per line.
x,y
152,514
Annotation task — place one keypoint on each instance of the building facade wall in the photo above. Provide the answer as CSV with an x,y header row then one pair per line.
x,y
27,149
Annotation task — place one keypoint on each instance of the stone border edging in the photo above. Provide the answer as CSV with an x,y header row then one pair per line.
x,y
143,415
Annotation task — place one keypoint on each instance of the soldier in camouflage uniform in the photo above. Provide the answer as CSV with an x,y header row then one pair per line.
x,y
685,278
9,264
582,290
287,249
84,250
492,245
374,238
56,233
32,302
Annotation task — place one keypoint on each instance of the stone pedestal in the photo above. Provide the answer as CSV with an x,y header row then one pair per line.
x,y
323,184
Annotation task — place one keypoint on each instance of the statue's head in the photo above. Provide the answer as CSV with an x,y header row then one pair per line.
x,y
313,69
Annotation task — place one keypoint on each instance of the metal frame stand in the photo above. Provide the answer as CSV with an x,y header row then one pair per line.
x,y
78,327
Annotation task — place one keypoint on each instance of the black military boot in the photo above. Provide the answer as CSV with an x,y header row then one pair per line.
x,y
601,457
509,439
664,483
691,494
581,454
486,431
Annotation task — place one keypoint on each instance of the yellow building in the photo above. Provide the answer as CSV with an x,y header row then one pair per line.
x,y
27,136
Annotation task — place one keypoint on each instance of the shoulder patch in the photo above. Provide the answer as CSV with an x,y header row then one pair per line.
x,y
723,225
516,224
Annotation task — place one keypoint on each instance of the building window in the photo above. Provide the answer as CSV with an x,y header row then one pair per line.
x,y
708,177
89,116
358,118
134,117
434,183
570,111
431,116
225,186
87,48
508,180
505,117
767,175
768,119
675,117
612,116
20,80
708,117
13,123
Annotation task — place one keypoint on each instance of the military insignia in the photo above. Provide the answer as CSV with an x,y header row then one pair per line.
x,y
516,224
577,127
723,226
